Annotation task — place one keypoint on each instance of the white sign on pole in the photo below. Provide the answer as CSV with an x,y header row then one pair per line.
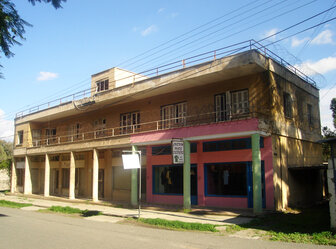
x,y
177,151
131,161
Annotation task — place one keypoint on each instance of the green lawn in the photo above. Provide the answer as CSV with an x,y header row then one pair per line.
x,y
308,226
70,210
12,204
178,225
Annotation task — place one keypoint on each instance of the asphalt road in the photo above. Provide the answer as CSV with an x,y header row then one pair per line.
x,y
29,229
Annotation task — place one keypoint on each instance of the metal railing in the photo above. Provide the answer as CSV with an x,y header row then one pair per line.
x,y
177,65
158,125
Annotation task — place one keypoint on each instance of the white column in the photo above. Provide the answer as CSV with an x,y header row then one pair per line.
x,y
95,175
332,193
46,176
13,178
27,183
72,177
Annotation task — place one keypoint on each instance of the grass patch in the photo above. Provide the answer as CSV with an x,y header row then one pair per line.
x,y
179,225
305,226
70,210
234,228
11,204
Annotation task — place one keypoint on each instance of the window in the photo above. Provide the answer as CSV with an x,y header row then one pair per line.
x,y
174,115
19,137
130,122
19,177
239,102
222,107
168,179
229,104
310,114
99,127
166,149
51,135
121,178
287,104
232,144
226,179
102,85
54,158
65,178
36,137
74,132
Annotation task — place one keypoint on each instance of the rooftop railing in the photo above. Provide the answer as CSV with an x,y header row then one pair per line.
x,y
177,65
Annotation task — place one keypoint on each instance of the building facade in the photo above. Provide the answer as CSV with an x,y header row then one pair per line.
x,y
249,123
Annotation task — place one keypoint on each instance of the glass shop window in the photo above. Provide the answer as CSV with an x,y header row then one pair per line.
x,y
226,179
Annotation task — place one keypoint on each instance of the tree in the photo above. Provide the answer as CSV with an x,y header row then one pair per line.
x,y
55,3
12,27
327,133
6,155
333,109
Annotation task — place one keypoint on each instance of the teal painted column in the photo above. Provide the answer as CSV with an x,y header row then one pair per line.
x,y
134,183
186,176
256,169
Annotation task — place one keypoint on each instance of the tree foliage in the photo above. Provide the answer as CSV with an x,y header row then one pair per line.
x,y
55,3
12,26
333,109
6,154
326,150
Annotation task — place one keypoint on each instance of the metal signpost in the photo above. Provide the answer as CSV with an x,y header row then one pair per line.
x,y
132,160
177,151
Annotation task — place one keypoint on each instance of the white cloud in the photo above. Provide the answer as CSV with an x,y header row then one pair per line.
x,y
325,37
322,66
43,76
160,10
270,32
325,98
297,42
149,30
174,14
6,127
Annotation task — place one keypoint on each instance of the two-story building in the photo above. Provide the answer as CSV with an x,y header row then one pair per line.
x,y
250,122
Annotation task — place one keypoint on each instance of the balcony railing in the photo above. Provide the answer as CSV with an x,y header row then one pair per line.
x,y
180,64
159,125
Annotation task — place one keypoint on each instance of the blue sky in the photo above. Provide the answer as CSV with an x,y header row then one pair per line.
x,y
66,46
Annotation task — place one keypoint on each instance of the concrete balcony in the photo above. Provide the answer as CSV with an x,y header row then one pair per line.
x,y
121,136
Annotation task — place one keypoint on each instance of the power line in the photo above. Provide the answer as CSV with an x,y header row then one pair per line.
x,y
197,28
229,35
236,10
253,15
191,31
297,32
319,24
307,43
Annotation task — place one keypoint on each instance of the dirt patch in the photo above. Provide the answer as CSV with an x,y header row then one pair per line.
x,y
249,234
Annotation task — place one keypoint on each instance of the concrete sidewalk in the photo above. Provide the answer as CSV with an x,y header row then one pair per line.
x,y
218,217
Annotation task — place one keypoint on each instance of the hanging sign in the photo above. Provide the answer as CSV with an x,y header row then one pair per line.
x,y
131,161
177,151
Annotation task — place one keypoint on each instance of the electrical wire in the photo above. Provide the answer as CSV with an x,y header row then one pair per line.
x,y
203,25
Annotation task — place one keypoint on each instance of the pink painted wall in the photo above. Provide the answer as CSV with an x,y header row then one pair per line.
x,y
202,130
